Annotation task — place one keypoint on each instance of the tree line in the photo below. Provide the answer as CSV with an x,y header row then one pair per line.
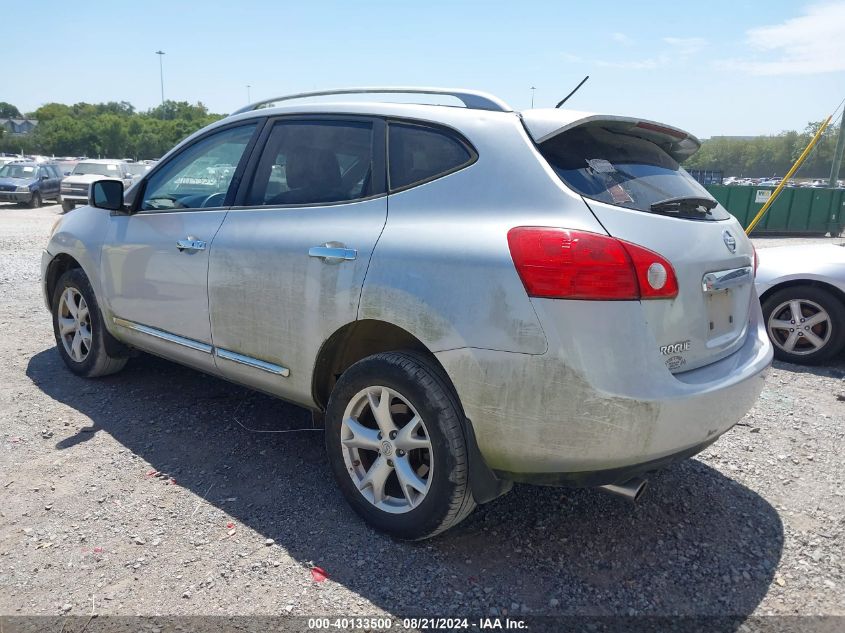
x,y
117,130
113,129
762,156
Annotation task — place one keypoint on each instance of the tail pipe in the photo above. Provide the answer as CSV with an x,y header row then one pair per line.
x,y
631,490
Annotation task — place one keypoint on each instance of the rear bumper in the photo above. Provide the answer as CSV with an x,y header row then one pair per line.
x,y
600,406
75,197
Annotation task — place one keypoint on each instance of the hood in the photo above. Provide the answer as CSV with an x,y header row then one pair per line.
x,y
86,179
544,123
17,182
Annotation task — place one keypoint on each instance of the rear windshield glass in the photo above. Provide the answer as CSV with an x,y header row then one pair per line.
x,y
626,171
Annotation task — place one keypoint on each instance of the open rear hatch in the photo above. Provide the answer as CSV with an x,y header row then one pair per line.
x,y
627,171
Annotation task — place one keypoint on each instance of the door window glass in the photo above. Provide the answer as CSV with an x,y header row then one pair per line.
x,y
419,154
314,162
200,176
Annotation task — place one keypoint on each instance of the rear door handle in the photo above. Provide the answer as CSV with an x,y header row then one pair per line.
x,y
190,245
333,252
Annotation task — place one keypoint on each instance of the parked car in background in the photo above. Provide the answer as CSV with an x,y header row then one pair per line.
x,y
552,299
29,183
74,188
802,290
137,170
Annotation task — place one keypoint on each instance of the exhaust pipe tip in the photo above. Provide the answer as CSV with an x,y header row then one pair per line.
x,y
631,490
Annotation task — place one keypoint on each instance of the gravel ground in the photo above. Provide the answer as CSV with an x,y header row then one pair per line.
x,y
755,524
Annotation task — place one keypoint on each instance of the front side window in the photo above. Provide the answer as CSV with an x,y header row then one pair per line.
x,y
314,162
199,177
419,153
627,171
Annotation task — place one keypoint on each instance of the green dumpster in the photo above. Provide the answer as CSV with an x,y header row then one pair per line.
x,y
799,211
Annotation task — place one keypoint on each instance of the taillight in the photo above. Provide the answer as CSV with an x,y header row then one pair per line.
x,y
564,264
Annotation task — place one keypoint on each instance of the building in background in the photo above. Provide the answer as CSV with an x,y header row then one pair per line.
x,y
18,127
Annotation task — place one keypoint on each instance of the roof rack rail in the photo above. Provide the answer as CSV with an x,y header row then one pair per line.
x,y
472,99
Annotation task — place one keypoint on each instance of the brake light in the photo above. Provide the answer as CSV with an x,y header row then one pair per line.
x,y
645,125
564,264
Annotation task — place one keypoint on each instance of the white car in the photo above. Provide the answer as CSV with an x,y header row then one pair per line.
x,y
802,290
75,186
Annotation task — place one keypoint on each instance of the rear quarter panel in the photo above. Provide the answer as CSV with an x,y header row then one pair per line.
x,y
442,268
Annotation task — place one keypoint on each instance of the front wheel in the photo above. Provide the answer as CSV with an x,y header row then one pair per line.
x,y
35,200
83,342
395,441
805,323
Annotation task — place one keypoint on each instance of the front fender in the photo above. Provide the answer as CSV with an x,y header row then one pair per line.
x,y
80,235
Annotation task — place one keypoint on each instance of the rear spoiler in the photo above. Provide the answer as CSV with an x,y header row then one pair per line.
x,y
543,124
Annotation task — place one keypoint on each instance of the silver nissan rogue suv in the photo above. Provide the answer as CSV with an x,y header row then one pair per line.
x,y
465,296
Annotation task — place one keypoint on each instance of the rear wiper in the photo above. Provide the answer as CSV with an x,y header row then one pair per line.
x,y
684,203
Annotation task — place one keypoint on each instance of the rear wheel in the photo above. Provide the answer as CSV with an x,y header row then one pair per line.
x,y
396,445
83,342
67,205
805,323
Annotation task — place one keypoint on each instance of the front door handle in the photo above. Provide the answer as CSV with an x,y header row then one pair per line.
x,y
190,245
333,252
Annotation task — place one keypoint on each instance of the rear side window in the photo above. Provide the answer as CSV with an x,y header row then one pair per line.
x,y
419,153
314,162
626,171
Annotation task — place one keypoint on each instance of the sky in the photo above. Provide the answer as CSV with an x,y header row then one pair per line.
x,y
712,68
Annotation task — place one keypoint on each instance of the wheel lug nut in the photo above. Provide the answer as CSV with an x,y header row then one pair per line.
x,y
390,463
379,435
400,452
393,435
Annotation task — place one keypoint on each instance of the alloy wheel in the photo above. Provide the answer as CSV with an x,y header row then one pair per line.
x,y
387,449
75,325
799,326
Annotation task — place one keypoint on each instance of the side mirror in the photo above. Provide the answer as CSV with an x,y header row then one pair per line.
x,y
45,177
67,173
106,194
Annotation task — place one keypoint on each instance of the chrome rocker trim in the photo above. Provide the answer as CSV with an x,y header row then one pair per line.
x,y
249,361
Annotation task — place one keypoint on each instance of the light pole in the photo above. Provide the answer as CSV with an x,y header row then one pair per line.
x,y
532,95
248,100
161,73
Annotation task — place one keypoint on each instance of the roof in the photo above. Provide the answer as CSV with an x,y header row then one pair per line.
x,y
541,123
472,99
103,161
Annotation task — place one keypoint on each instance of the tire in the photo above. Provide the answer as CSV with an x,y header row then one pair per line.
x,y
816,342
35,201
436,447
67,206
86,347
